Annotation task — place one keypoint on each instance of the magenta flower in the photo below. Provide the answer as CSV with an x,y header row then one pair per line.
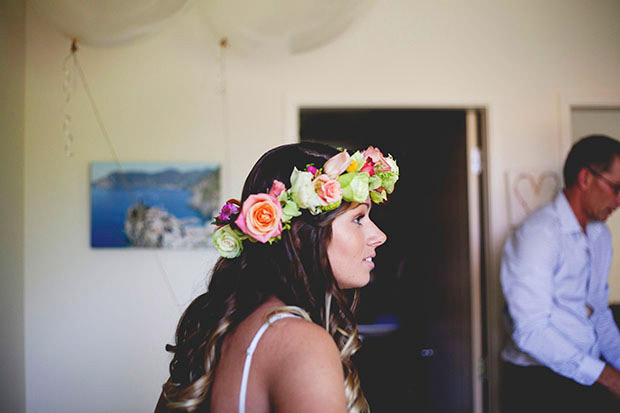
x,y
312,169
227,212
369,167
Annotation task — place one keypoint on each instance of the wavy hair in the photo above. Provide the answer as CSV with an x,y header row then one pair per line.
x,y
296,270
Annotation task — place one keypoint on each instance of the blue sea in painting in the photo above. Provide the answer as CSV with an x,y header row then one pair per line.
x,y
109,206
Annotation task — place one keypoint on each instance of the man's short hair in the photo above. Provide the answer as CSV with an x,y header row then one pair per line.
x,y
593,151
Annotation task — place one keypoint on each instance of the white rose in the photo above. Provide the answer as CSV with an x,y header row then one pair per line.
x,y
227,242
302,191
393,167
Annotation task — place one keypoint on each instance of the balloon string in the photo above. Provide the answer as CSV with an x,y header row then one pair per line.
x,y
166,278
93,105
104,130
222,66
222,90
106,135
68,85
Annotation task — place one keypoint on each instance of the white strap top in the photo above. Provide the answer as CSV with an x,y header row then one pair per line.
x,y
250,351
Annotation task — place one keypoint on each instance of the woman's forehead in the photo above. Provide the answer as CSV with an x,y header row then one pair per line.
x,y
363,205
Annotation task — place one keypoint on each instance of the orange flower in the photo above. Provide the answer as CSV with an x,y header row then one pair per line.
x,y
260,217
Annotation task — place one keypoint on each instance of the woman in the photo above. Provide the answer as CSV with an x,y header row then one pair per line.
x,y
275,331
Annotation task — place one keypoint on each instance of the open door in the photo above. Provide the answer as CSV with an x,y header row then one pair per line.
x,y
420,316
602,119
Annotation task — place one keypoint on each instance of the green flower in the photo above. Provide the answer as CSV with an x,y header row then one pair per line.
x,y
228,242
378,196
332,206
375,182
388,179
289,211
355,186
359,160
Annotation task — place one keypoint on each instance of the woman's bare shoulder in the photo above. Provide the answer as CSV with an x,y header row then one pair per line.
x,y
297,338
305,372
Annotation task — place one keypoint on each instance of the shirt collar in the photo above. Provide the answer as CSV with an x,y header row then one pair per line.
x,y
568,220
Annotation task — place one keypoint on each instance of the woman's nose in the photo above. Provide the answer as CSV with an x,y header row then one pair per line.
x,y
377,237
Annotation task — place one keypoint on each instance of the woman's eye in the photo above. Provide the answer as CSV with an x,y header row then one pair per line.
x,y
358,219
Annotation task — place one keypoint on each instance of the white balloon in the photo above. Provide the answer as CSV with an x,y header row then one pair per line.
x,y
108,22
271,27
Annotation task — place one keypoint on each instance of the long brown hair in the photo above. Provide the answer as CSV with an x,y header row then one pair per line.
x,y
296,270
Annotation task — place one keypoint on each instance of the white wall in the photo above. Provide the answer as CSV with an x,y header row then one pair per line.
x,y
96,320
12,70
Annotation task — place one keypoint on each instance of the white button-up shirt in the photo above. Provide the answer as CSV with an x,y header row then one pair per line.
x,y
553,276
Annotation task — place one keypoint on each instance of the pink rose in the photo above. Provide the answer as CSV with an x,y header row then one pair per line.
x,y
276,188
337,164
328,189
260,217
377,158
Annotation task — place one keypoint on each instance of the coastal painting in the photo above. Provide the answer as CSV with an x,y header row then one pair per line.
x,y
153,205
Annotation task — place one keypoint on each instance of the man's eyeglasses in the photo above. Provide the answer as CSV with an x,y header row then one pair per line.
x,y
613,185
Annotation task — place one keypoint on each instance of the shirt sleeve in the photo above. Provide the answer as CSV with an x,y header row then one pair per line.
x,y
528,264
609,337
605,325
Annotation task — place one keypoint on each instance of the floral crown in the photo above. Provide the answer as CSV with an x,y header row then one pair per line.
x,y
263,217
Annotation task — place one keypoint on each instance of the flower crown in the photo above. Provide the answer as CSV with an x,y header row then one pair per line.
x,y
264,216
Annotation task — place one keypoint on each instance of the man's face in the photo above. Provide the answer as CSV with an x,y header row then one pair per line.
x,y
604,193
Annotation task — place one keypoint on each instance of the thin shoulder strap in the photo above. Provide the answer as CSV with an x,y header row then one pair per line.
x,y
250,352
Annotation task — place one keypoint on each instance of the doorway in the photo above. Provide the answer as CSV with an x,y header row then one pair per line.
x,y
602,119
420,317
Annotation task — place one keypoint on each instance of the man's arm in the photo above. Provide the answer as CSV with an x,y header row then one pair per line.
x,y
530,260
610,378
603,319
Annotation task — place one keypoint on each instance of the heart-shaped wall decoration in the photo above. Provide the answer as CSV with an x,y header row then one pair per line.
x,y
528,190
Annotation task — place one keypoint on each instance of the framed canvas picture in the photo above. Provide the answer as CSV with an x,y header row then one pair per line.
x,y
153,205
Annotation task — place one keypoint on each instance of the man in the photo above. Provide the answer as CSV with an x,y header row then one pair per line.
x,y
565,350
